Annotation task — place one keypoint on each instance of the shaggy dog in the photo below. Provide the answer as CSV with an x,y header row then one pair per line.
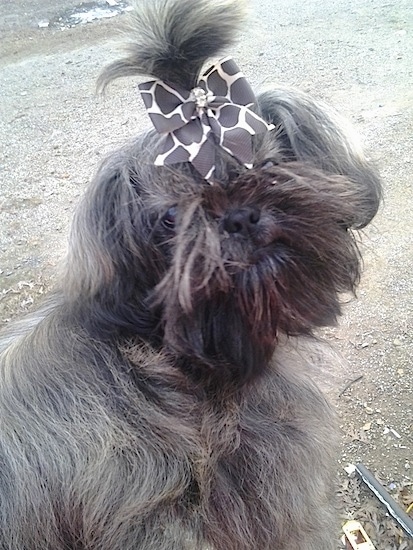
x,y
151,403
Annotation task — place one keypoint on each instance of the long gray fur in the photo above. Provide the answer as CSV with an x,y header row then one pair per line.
x,y
157,401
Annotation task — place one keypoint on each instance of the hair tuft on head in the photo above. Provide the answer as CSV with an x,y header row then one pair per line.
x,y
172,39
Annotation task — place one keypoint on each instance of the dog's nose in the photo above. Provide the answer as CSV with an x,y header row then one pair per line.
x,y
241,220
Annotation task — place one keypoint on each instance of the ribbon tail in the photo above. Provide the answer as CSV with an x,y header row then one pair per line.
x,y
193,144
204,160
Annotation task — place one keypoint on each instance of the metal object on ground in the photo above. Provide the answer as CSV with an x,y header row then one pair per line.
x,y
405,521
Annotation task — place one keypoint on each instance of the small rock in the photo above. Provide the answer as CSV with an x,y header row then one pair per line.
x,y
397,342
396,434
43,24
350,469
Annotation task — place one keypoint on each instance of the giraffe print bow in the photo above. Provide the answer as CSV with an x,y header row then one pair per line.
x,y
217,111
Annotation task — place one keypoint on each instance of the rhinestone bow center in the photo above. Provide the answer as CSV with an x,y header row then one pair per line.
x,y
200,97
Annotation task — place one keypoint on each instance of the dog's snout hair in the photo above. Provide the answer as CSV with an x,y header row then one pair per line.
x,y
161,398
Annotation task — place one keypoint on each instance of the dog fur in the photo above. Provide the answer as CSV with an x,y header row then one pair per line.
x,y
150,404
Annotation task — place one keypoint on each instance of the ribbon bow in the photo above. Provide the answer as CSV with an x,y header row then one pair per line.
x,y
217,111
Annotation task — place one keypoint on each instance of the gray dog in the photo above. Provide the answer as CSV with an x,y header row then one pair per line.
x,y
150,404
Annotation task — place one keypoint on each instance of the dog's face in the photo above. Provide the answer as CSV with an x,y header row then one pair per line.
x,y
215,273
268,253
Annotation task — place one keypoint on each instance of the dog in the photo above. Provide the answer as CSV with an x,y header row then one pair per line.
x,y
151,403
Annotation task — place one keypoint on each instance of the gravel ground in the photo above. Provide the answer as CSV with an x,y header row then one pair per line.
x,y
355,54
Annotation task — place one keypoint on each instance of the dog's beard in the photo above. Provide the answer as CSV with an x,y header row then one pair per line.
x,y
228,295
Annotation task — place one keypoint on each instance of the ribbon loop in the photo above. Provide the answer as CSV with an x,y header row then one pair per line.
x,y
215,112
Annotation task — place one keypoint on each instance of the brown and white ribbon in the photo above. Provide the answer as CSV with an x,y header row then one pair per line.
x,y
216,112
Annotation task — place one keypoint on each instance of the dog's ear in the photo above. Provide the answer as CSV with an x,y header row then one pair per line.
x,y
111,263
310,132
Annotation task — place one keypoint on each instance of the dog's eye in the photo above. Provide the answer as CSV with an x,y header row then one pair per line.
x,y
169,218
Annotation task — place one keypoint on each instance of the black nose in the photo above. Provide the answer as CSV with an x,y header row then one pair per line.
x,y
242,220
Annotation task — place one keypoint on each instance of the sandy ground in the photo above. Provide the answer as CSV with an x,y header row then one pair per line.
x,y
355,54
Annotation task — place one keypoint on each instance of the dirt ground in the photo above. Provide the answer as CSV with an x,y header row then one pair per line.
x,y
355,54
